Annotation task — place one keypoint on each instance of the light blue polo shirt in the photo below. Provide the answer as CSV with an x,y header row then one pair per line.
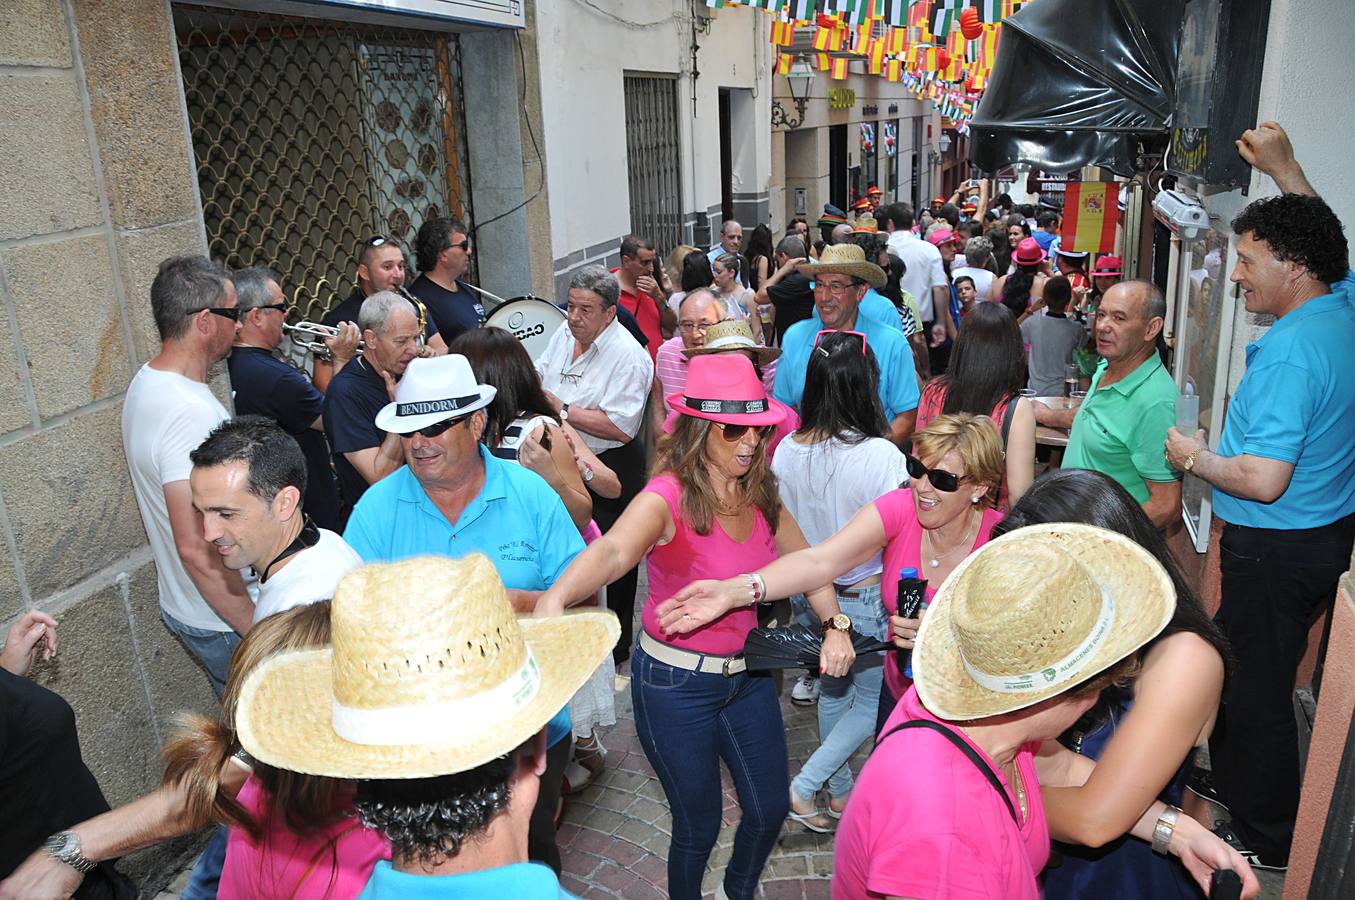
x,y
517,520
1296,403
520,881
877,306
898,379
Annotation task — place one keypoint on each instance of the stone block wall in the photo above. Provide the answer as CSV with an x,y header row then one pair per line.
x,y
98,181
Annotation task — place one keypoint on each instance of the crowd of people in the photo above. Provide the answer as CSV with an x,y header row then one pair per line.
x,y
411,574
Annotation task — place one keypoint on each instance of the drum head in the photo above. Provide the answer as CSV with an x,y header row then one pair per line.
x,y
530,319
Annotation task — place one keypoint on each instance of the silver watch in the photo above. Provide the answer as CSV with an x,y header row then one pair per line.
x,y
64,846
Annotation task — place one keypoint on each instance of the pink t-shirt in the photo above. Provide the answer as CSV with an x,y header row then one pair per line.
x,y
929,407
789,425
691,557
903,550
924,822
334,864
671,366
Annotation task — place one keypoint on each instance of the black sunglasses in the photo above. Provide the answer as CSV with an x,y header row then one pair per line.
x,y
280,307
460,245
376,241
946,482
436,428
734,433
225,312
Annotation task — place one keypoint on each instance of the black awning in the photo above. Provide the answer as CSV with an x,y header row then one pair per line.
x,y
1078,84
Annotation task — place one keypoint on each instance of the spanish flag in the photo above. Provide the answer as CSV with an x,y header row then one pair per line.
x,y
896,40
821,61
783,63
829,38
1089,216
783,33
894,69
875,62
839,70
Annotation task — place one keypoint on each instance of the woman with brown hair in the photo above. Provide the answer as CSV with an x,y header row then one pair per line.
x,y
711,509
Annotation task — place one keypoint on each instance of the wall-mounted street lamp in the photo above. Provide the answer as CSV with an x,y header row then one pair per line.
x,y
944,143
801,76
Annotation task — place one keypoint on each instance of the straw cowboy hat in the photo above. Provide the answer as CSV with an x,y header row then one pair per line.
x,y
844,259
723,387
434,390
866,225
736,334
430,673
1033,613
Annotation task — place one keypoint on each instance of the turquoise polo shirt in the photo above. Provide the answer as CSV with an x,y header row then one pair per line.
x,y
520,881
898,379
1121,429
517,520
1296,403
878,307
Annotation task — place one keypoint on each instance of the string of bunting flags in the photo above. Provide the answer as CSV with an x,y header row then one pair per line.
x,y
939,50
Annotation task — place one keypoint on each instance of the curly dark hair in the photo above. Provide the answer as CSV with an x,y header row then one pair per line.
x,y
430,819
1301,229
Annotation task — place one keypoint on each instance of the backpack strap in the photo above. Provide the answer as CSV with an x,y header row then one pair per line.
x,y
963,747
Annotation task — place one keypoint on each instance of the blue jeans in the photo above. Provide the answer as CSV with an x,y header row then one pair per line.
x,y
687,723
847,705
212,649
206,875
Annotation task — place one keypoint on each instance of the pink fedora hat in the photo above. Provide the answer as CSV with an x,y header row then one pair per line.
x,y
1029,253
723,387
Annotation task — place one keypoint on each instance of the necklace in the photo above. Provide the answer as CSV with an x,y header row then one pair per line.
x,y
1019,785
935,560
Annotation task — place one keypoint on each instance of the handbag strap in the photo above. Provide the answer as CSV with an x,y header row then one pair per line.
x,y
963,746
1007,415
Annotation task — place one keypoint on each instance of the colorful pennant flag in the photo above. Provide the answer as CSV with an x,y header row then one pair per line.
x,y
783,63
839,68
854,12
829,38
894,69
783,33
821,61
875,62
801,10
1090,213
895,41
895,13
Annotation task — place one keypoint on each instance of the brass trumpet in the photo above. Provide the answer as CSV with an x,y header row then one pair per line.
x,y
310,336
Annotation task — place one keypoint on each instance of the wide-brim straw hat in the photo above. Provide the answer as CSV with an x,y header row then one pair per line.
x,y
844,259
433,390
430,673
1034,613
734,335
723,387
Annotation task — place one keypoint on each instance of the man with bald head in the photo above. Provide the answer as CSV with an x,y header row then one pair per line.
x,y
699,310
1120,426
731,241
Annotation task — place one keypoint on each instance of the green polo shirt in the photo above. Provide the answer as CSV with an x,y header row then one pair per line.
x,y
1120,430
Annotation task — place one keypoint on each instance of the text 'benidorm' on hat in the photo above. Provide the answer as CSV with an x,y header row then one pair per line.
x,y
433,390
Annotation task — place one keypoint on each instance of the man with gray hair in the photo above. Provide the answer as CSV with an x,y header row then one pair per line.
x,y
167,413
363,453
731,241
977,253
266,386
599,378
790,293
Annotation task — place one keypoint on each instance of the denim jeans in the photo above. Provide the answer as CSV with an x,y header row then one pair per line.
x,y
212,649
687,723
847,705
206,875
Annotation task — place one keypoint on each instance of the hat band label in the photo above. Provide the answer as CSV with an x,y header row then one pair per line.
x,y
726,407
440,722
424,407
1058,673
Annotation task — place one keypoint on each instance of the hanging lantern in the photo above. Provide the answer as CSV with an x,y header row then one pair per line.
x,y
970,26
942,59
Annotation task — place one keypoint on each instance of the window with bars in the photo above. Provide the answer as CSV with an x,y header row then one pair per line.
x,y
311,136
654,159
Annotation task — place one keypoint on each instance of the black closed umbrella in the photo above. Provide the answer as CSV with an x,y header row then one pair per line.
x,y
796,647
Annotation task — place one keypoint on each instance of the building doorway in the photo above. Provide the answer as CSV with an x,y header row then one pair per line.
x,y
837,166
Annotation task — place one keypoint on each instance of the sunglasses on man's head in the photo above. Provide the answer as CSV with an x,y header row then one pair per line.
x,y
377,241
436,428
818,338
734,433
946,482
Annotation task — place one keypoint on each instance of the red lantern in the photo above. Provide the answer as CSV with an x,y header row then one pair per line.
x,y
970,26
942,59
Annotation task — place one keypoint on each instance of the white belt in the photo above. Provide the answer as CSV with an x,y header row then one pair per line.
x,y
691,660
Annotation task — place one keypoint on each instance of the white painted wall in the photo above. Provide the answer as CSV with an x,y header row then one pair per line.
x,y
585,47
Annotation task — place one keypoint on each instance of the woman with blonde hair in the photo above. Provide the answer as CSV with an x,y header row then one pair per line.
x,y
942,515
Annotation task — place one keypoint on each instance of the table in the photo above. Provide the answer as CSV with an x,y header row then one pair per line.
x,y
1046,434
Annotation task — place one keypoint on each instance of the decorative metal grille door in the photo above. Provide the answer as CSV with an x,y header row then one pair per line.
x,y
311,136
654,159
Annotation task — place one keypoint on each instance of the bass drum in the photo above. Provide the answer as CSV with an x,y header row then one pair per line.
x,y
529,319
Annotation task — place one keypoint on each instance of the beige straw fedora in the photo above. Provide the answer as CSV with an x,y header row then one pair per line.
x,y
844,259
1033,613
430,673
734,334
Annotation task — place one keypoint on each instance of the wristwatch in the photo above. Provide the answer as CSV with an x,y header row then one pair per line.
x,y
839,622
564,412
1190,461
64,846
1162,831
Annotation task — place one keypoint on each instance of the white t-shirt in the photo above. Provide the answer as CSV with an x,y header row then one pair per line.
x,y
825,484
613,375
164,418
924,269
310,576
983,280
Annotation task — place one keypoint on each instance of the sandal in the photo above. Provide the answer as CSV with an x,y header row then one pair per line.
x,y
589,753
837,813
814,821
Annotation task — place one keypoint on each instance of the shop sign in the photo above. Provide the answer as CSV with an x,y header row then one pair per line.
x,y
841,98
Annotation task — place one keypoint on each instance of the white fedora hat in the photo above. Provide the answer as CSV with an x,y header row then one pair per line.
x,y
433,390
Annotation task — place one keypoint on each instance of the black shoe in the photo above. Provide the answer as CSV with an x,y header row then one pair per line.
x,y
1226,834
1201,784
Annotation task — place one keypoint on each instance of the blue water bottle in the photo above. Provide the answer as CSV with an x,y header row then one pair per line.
x,y
912,597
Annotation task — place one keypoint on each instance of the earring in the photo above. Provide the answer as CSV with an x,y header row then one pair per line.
x,y
974,500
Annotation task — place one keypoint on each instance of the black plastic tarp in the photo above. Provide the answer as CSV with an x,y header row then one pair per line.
x,y
1078,83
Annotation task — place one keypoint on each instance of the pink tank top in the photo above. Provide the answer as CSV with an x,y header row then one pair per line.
x,y
692,557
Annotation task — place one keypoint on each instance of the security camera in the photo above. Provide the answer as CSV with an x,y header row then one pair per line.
x,y
1181,213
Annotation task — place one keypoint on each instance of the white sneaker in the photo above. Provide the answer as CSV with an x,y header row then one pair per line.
x,y
806,690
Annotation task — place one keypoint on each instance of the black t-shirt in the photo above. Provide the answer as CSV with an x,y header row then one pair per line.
x,y
354,398
793,298
455,312
45,786
348,310
265,385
